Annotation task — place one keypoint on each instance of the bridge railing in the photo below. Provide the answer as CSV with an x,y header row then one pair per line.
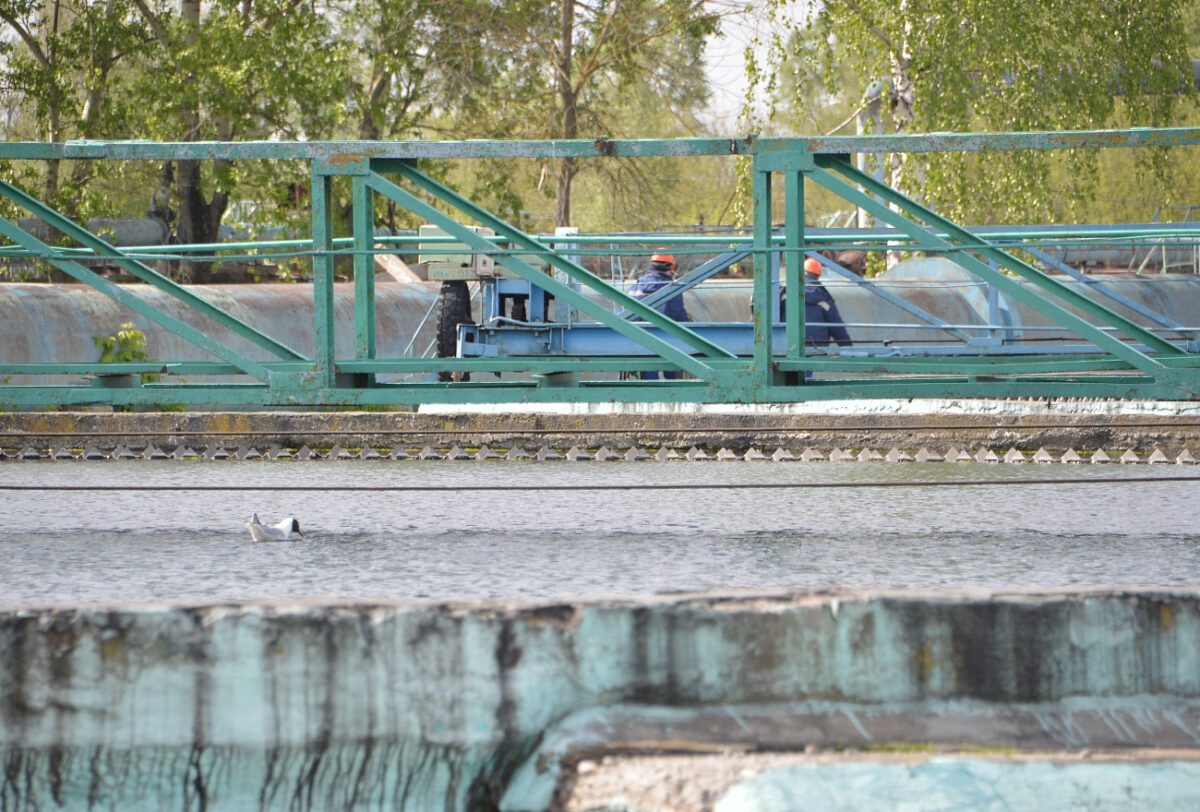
x,y
1119,356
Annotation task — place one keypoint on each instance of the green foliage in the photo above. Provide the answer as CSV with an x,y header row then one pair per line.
x,y
554,69
271,68
979,65
127,346
336,69
394,69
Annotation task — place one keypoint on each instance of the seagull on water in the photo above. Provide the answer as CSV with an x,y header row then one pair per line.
x,y
280,531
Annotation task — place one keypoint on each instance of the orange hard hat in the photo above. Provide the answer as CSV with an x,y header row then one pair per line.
x,y
667,258
812,266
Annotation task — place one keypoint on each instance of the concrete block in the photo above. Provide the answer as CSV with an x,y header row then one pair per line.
x,y
418,705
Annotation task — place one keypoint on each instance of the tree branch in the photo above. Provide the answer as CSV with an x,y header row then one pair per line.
x,y
30,41
874,29
160,31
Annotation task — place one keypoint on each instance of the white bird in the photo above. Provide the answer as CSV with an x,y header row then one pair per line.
x,y
280,531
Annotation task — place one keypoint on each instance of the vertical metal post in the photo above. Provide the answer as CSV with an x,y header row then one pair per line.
x,y
323,275
764,308
995,336
364,269
563,312
793,252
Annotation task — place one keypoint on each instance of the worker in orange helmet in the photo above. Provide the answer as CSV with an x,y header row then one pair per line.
x,y
656,277
822,321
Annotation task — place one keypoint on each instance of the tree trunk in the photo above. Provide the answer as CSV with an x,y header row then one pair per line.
x,y
101,62
902,99
198,219
369,128
192,224
569,98
53,105
903,94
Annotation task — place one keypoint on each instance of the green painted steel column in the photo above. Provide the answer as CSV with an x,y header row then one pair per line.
x,y
364,269
562,292
762,272
794,256
323,274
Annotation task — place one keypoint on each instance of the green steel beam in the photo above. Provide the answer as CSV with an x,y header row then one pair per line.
x,y
1047,283
364,268
764,274
323,275
101,248
563,292
134,303
950,365
121,368
1056,313
334,151
793,256
602,245
1190,362
958,365
531,364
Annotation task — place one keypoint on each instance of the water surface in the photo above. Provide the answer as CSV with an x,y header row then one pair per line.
x,y
129,545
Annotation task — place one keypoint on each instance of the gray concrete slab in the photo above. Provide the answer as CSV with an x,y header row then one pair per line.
x,y
999,425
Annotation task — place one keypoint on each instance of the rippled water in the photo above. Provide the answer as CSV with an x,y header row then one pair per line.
x,y
129,545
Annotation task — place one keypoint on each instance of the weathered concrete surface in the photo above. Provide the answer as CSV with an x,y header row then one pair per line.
x,y
994,424
449,706
624,741
856,781
956,784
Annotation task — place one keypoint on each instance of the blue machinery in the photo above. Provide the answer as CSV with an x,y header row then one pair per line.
x,y
589,344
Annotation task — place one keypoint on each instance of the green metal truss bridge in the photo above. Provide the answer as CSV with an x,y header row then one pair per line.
x,y
1116,356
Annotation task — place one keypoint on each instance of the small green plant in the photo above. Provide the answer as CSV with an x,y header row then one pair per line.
x,y
128,345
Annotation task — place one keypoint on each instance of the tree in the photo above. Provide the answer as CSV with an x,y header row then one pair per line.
x,y
561,85
229,70
972,65
414,59
192,70
411,63
185,70
69,52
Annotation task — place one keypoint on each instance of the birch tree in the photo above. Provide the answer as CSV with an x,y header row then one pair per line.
x,y
561,67
229,70
1019,65
59,60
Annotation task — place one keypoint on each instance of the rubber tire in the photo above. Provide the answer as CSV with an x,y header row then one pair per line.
x,y
453,309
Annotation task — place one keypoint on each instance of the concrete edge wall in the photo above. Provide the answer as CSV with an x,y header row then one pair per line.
x,y
1048,428
420,706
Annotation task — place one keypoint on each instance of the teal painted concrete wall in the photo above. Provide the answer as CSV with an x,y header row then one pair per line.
x,y
949,785
423,706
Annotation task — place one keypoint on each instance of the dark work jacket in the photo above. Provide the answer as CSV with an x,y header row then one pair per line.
x,y
822,321
653,280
